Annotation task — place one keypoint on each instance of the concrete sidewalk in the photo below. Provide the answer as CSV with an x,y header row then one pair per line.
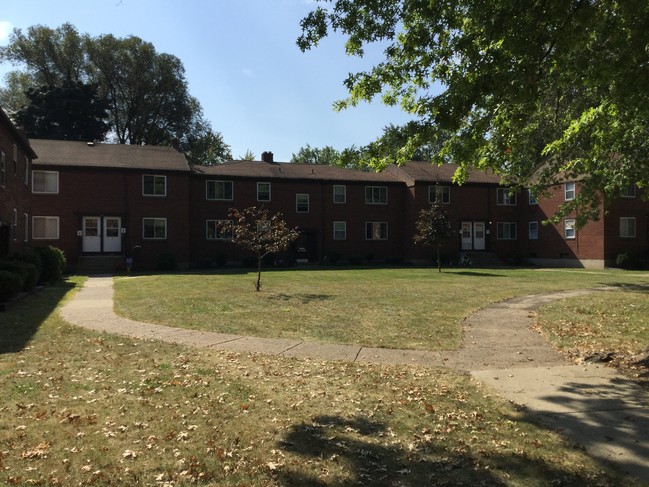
x,y
590,404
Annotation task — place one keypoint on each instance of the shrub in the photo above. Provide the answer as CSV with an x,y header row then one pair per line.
x,y
221,259
355,259
165,261
627,260
10,285
333,257
30,257
53,262
27,272
249,261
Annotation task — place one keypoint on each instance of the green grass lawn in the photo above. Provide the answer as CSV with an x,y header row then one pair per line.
x,y
83,408
416,308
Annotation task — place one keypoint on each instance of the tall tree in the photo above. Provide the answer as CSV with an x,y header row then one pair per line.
x,y
313,155
537,91
73,111
260,232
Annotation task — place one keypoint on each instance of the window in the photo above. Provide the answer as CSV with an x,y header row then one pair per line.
x,y
154,228
302,203
46,182
25,227
376,195
340,194
569,231
14,225
506,231
219,190
627,227
263,191
376,231
628,191
26,174
340,230
154,185
3,169
45,228
505,196
15,159
569,191
531,198
219,229
534,231
444,191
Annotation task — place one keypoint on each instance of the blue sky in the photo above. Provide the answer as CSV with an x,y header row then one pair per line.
x,y
255,86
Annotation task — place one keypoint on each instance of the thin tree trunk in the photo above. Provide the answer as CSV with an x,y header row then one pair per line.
x,y
258,285
439,261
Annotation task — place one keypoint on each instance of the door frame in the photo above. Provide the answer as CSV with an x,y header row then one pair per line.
x,y
102,236
468,235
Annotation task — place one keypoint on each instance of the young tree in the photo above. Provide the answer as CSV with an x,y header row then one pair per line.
x,y
539,91
256,230
433,228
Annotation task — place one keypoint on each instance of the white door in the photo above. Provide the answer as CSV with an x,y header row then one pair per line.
x,y
112,234
91,234
467,236
479,238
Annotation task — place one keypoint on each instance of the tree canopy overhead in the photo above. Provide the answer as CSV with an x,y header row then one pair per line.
x,y
538,91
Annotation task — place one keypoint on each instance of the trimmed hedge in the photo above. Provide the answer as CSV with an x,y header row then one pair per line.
x,y
10,285
27,272
53,263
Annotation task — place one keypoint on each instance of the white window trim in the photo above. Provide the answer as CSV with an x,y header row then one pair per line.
x,y
308,203
573,190
531,198
376,223
371,201
503,197
344,229
26,179
26,229
218,223
39,171
635,228
154,176
344,194
154,219
529,231
216,181
269,191
510,225
444,190
569,226
628,192
14,225
54,218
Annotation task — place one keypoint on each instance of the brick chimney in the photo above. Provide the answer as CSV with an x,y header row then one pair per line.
x,y
267,156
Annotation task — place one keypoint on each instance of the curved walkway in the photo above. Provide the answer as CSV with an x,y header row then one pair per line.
x,y
590,404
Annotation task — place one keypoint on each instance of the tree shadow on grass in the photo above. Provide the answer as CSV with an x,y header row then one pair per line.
x,y
475,274
22,319
363,450
625,286
304,298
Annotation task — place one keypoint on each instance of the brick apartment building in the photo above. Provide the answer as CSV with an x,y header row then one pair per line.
x,y
123,201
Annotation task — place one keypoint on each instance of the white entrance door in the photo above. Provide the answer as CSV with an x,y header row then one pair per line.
x,y
112,234
91,234
479,236
467,236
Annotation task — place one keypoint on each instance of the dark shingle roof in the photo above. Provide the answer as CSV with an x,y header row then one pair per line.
x,y
17,134
274,170
426,172
83,154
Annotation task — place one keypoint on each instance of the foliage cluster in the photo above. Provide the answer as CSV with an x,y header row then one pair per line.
x,y
23,271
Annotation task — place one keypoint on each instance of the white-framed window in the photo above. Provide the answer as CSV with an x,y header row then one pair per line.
x,y
219,190
569,229
45,182
45,227
505,196
444,191
154,228
302,203
376,195
26,174
531,198
628,191
533,230
25,227
3,169
569,191
506,230
263,191
340,194
376,231
627,227
14,225
219,229
340,230
154,185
